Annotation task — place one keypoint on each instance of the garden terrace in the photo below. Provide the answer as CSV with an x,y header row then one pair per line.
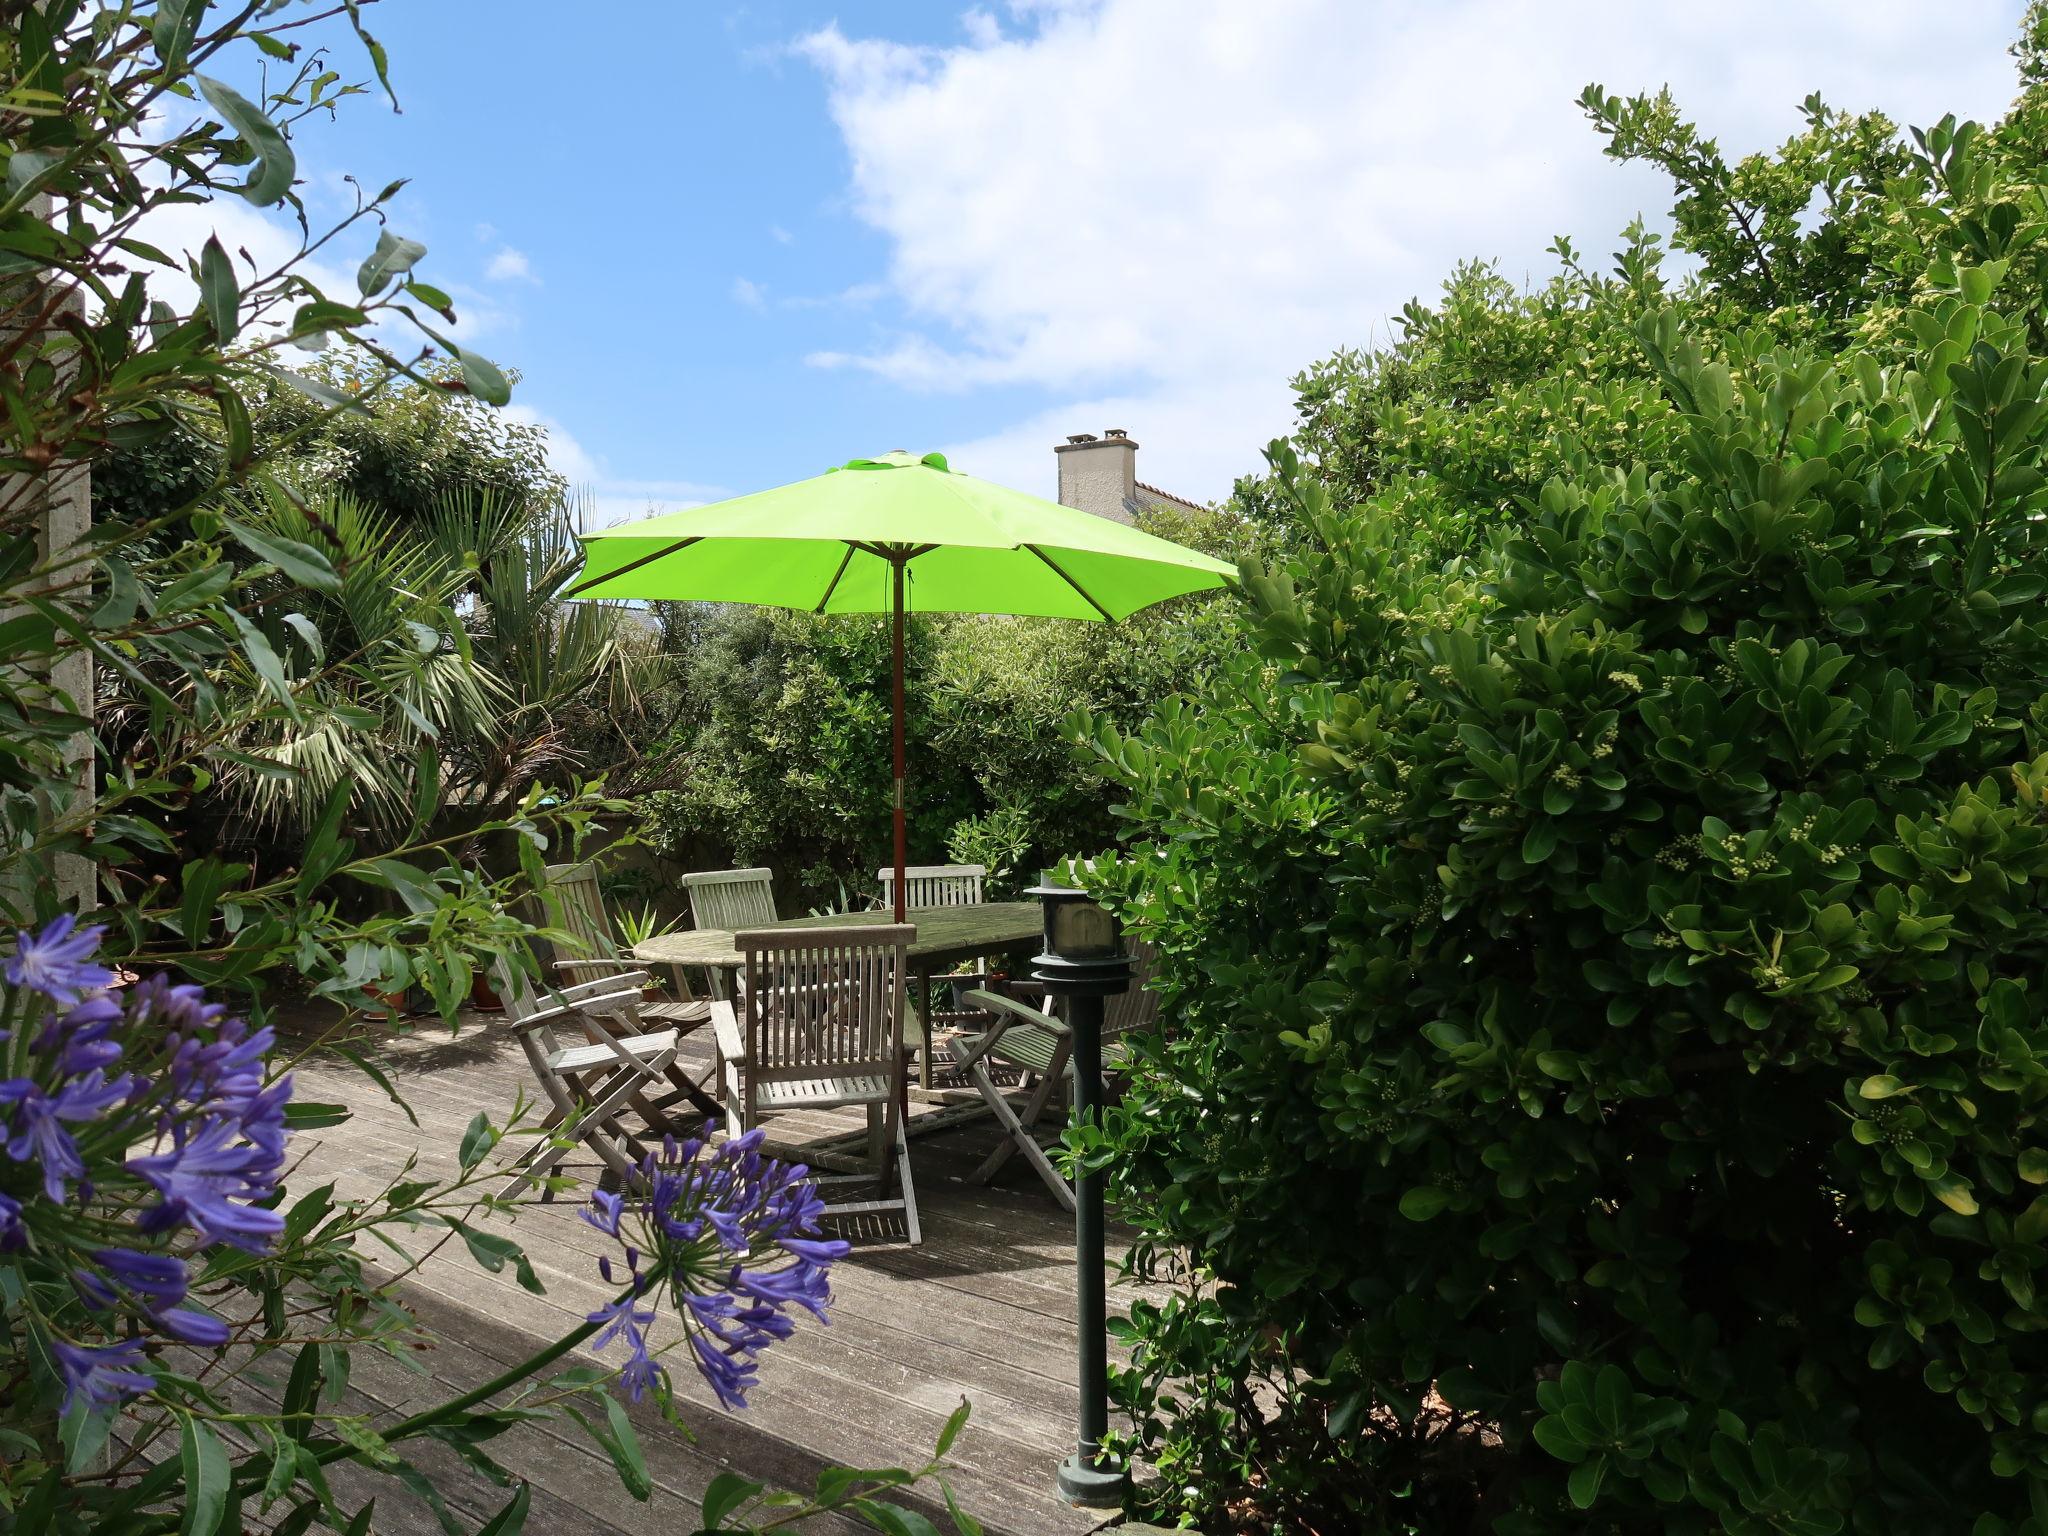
x,y
983,1309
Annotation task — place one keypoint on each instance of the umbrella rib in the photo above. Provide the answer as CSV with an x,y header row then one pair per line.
x,y
1063,576
834,587
632,565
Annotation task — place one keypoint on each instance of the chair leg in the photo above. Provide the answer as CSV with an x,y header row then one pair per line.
x,y
1034,1106
893,1122
909,1189
1020,1140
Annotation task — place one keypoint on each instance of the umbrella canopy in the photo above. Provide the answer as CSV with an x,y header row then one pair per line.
x,y
891,534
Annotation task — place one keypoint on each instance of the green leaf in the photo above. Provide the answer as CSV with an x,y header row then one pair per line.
x,y
1584,1484
477,1141
1612,1399
394,257
275,166
510,1520
493,1253
1554,1437
203,1461
264,659
381,63
893,1518
964,1523
83,1436
304,564
2034,1165
1883,1086
483,378
306,1115
728,1491
284,1463
318,389
301,1390
955,1422
219,291
1424,1201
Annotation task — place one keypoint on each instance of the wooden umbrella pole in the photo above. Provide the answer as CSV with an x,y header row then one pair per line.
x,y
896,564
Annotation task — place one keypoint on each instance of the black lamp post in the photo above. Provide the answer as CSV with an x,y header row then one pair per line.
x,y
1084,962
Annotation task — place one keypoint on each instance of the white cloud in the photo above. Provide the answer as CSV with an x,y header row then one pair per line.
x,y
749,294
780,235
257,245
1162,209
853,296
510,266
602,498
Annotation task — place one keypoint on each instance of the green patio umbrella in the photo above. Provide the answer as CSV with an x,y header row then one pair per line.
x,y
891,534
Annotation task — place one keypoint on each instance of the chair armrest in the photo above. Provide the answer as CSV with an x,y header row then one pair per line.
x,y
1008,1011
596,965
623,985
725,1028
566,1005
970,1046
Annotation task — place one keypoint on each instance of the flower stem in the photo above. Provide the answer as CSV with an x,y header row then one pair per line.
x,y
441,1413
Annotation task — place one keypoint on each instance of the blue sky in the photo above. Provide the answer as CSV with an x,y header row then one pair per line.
x,y
676,203
728,246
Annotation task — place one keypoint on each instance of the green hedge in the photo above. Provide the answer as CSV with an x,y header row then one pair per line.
x,y
1605,933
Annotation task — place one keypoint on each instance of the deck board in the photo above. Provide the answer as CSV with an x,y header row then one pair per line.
x,y
982,1310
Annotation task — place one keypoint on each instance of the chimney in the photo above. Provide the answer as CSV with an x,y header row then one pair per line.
x,y
1100,474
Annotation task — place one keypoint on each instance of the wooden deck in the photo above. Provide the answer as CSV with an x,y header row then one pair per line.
x,y
983,1310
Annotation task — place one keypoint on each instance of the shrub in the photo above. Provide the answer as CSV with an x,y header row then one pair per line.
x,y
1603,931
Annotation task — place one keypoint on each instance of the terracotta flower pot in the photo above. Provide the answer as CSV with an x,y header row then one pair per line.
x,y
393,1005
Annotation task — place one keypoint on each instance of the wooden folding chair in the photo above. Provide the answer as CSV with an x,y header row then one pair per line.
x,y
730,899
1031,1041
938,885
934,885
574,903
588,1084
820,1027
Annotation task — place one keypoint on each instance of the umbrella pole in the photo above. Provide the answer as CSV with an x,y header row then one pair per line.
x,y
896,718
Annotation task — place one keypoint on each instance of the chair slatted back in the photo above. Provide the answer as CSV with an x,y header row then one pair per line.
x,y
824,1002
731,899
523,999
1138,1007
935,885
579,911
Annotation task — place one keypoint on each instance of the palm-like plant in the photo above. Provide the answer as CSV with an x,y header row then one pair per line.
x,y
573,679
442,674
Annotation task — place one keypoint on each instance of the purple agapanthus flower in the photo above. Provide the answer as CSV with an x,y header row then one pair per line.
x,y
121,1093
58,962
100,1375
731,1235
36,1121
207,1180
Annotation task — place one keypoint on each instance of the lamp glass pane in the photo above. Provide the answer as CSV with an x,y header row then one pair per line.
x,y
1081,929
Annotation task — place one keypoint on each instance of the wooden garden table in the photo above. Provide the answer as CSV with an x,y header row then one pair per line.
x,y
945,937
